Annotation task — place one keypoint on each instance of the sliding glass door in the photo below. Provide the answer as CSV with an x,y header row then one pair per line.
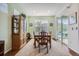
x,y
63,29
59,28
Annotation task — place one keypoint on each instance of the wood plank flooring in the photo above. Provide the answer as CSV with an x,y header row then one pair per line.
x,y
57,49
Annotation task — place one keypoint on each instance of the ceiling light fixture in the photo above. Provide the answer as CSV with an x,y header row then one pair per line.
x,y
69,6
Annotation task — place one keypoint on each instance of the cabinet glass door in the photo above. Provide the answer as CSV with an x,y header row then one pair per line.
x,y
16,24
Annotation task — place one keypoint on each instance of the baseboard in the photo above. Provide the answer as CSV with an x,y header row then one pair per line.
x,y
74,50
7,50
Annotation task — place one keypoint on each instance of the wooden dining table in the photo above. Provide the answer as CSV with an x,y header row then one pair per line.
x,y
37,37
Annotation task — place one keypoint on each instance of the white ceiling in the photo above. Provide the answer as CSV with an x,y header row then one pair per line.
x,y
42,9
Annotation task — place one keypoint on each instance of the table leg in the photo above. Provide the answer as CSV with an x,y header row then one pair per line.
x,y
35,43
50,42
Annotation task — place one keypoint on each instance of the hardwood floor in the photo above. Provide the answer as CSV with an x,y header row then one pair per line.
x,y
62,50
11,53
57,49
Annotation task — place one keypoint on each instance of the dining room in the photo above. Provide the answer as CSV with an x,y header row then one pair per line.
x,y
39,29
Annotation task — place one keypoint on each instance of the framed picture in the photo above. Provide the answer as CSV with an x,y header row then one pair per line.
x,y
30,24
51,24
73,19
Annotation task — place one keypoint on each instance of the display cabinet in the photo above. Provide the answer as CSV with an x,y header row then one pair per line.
x,y
18,33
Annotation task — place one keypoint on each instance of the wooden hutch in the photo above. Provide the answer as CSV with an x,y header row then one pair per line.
x,y
18,31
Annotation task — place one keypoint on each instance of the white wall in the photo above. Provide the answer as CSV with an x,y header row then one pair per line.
x,y
4,26
4,30
73,40
73,34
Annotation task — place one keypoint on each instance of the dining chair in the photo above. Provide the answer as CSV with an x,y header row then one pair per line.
x,y
43,41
